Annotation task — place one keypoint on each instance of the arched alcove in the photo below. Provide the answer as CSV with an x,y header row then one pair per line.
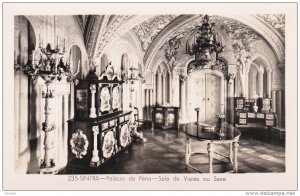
x,y
259,81
124,63
162,84
27,104
104,63
76,59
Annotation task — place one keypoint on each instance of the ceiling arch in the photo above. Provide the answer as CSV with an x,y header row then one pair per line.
x,y
102,34
263,29
257,57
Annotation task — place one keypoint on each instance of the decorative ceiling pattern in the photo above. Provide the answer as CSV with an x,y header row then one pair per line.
x,y
111,29
172,50
241,35
243,43
118,27
277,21
148,30
83,21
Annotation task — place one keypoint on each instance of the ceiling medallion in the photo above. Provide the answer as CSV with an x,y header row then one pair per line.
x,y
206,46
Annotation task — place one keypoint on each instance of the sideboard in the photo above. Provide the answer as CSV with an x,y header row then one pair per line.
x,y
165,117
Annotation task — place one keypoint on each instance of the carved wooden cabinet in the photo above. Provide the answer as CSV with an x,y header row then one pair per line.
x,y
100,128
267,119
92,143
245,114
98,97
165,117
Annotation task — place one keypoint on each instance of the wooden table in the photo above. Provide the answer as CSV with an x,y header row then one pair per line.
x,y
230,136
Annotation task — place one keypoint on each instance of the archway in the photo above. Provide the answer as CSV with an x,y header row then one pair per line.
x,y
260,77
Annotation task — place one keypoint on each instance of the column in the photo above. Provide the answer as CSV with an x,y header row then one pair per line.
x,y
183,78
93,108
159,89
236,84
246,85
171,86
151,97
279,108
95,159
254,85
269,83
230,96
164,92
154,88
274,108
186,93
261,83
65,125
222,96
147,102
225,99
151,103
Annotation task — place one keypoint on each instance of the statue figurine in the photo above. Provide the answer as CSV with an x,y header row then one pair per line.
x,y
109,69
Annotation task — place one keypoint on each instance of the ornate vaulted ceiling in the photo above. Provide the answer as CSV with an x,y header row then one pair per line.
x,y
148,30
153,31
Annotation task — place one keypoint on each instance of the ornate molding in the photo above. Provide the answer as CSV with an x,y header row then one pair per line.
x,y
184,22
182,77
95,30
121,25
82,21
231,76
149,29
277,21
167,33
172,50
276,42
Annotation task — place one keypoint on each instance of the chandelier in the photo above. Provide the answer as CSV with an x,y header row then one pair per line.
x,y
207,45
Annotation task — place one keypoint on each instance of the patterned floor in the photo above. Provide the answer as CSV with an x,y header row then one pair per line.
x,y
164,152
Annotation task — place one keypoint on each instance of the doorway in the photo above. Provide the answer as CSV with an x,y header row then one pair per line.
x,y
204,92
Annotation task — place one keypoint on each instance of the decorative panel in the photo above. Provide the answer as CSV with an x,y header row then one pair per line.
x,y
260,115
81,99
125,138
108,141
251,115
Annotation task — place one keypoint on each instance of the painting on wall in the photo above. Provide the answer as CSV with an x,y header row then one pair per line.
x,y
81,99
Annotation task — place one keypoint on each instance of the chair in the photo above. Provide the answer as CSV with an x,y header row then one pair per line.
x,y
137,118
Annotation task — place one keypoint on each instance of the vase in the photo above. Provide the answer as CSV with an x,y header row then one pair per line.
x,y
255,108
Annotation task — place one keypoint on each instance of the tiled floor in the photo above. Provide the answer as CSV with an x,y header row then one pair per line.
x,y
164,152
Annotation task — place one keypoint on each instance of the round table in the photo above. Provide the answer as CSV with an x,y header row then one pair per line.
x,y
228,135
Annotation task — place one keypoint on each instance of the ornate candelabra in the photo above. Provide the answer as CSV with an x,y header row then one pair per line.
x,y
49,64
134,76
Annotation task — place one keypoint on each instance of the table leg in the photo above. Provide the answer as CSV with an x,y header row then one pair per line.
x,y
210,156
230,153
187,150
235,163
